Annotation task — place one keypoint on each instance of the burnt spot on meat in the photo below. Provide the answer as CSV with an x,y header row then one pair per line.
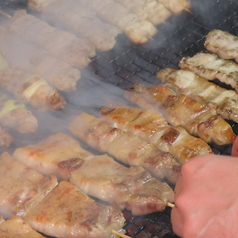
x,y
71,164
209,123
138,127
26,85
171,136
170,101
105,111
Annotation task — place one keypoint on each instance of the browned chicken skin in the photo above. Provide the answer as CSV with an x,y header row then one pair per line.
x,y
83,22
61,44
138,30
222,43
124,146
67,212
35,60
152,10
16,227
152,127
131,188
200,89
210,66
21,187
196,117
31,89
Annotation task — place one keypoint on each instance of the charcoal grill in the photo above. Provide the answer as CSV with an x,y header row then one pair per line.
x,y
112,72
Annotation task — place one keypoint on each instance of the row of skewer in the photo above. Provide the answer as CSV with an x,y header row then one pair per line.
x,y
58,102
35,70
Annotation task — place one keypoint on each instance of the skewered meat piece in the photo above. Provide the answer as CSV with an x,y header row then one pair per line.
x,y
28,57
39,5
129,188
81,21
14,115
152,127
61,44
21,187
31,89
138,30
125,147
67,212
196,117
176,6
58,154
222,43
16,227
152,10
210,66
189,83
62,155
5,138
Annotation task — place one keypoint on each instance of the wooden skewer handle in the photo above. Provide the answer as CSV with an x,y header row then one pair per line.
x,y
5,14
120,234
170,204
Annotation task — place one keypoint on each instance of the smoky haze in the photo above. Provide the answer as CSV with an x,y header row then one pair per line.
x,y
118,64
111,72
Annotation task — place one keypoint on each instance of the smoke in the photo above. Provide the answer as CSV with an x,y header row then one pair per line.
x,y
113,71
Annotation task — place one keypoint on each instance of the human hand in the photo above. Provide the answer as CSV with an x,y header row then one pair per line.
x,y
206,197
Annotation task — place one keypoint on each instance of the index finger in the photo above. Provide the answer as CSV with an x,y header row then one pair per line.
x,y
234,151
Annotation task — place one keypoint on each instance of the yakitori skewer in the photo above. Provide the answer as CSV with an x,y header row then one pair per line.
x,y
120,234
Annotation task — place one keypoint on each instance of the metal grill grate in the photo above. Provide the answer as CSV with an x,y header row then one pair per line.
x,y
111,72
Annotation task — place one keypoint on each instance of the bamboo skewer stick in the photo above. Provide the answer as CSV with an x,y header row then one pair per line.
x,y
188,10
150,37
120,234
170,205
5,14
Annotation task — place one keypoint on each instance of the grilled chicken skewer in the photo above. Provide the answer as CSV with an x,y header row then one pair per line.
x,y
150,10
222,43
14,115
17,227
125,147
27,193
67,212
58,154
63,156
61,44
176,6
128,188
152,127
28,57
21,187
210,66
5,138
139,31
81,21
29,88
196,117
200,89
